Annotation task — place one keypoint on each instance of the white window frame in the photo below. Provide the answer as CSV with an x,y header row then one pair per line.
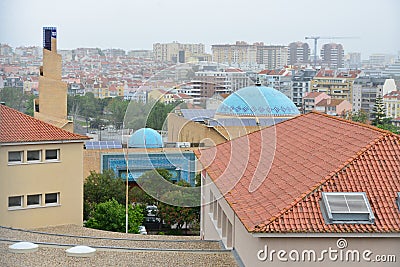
x,y
57,203
34,205
34,160
21,153
16,207
56,159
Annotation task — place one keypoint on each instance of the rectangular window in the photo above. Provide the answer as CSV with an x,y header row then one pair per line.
x,y
15,156
34,200
346,207
33,155
52,154
15,202
52,199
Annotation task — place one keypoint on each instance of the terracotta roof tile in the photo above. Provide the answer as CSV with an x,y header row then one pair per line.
x,y
273,178
329,102
16,127
312,95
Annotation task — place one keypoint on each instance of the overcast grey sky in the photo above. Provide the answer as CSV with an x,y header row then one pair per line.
x,y
137,24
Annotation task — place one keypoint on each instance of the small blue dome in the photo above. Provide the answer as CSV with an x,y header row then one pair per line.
x,y
257,101
145,138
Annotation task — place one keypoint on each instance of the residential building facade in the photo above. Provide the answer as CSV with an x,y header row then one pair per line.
x,y
232,79
310,100
332,56
170,52
301,85
335,84
240,53
392,104
279,79
299,53
272,56
365,91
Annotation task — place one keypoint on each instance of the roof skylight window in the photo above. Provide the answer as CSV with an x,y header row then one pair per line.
x,y
346,207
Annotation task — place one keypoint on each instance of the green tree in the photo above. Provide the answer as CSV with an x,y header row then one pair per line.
x,y
357,116
13,98
101,187
117,108
152,183
110,216
378,111
186,210
158,114
386,124
29,105
180,215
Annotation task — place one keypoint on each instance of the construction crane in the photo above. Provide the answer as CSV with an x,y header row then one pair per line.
x,y
315,38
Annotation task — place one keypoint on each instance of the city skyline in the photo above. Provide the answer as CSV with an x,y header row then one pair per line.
x,y
138,25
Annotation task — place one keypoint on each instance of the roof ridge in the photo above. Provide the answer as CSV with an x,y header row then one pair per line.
x,y
352,122
35,120
330,176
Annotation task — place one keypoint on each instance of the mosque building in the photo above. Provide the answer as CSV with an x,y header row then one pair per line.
x,y
247,110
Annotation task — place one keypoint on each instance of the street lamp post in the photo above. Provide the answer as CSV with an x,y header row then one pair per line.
x,y
127,188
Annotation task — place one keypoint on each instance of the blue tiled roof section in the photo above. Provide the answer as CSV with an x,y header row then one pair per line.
x,y
257,101
146,138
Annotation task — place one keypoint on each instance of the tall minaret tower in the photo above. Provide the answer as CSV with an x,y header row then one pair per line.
x,y
51,106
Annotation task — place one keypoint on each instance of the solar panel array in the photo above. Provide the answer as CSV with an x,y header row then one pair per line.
x,y
245,122
103,144
198,114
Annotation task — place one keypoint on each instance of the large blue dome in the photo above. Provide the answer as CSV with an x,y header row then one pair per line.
x,y
257,101
145,138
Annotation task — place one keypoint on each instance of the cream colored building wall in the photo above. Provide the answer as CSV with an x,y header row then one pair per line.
x,y
63,176
392,107
251,249
156,95
182,130
52,64
92,160
52,97
332,86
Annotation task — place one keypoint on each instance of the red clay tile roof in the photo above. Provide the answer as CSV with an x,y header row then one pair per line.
x,y
325,73
392,95
312,94
329,102
298,159
16,127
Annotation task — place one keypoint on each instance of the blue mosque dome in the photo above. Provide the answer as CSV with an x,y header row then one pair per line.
x,y
257,101
145,138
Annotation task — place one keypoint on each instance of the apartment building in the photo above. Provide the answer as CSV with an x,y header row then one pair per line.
x,y
366,89
175,52
279,79
272,56
301,84
244,54
231,79
240,53
200,91
299,53
335,84
332,56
